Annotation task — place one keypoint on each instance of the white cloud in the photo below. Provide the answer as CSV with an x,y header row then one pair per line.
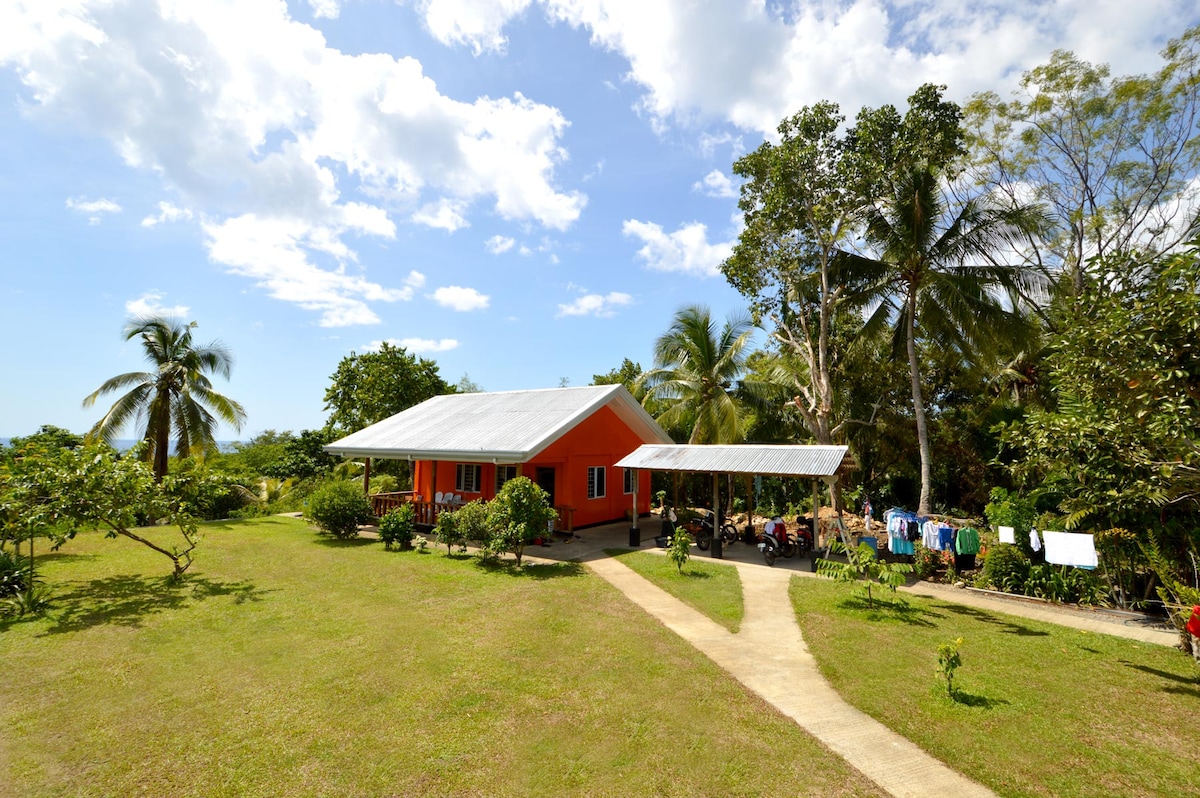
x,y
275,253
251,118
715,184
751,63
93,208
461,299
498,244
148,304
686,250
601,306
415,345
325,9
476,23
167,212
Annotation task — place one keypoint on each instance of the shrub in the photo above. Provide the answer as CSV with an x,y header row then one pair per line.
x,y
949,659
420,543
1011,509
447,531
398,527
863,563
338,508
680,550
14,574
925,561
1006,568
473,523
520,512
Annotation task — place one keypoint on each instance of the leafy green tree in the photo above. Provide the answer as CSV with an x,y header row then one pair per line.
x,y
57,492
175,399
48,436
303,456
697,369
372,386
467,385
679,551
940,276
1113,158
398,527
1121,447
626,374
520,512
863,564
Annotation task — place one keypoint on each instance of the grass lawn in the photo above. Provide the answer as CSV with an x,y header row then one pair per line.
x,y
289,664
1041,710
715,590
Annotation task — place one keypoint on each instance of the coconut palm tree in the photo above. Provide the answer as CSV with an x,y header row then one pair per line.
x,y
938,273
696,370
176,399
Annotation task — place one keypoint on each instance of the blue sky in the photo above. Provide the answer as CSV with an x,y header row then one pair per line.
x,y
522,191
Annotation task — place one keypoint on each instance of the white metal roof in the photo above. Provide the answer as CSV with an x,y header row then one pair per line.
x,y
500,426
767,459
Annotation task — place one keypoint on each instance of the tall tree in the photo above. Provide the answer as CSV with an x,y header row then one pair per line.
x,y
175,399
372,386
940,276
1113,158
697,368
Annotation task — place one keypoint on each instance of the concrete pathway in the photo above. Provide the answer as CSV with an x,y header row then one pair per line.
x,y
769,657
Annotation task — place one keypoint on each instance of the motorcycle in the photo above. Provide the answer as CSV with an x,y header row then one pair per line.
x,y
701,529
776,541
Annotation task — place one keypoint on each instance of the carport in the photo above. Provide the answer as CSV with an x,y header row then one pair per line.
x,y
802,461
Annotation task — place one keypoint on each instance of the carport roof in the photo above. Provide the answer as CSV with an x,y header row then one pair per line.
x,y
768,459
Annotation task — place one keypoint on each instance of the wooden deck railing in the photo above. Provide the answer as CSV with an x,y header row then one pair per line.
x,y
381,503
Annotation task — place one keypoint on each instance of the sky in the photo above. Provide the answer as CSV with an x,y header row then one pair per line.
x,y
524,191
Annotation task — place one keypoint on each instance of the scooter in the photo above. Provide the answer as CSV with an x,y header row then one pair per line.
x,y
702,530
775,541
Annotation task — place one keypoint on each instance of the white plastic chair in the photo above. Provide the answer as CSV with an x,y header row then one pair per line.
x,y
439,497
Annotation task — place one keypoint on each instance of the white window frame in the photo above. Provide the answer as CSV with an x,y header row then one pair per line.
x,y
467,477
630,481
597,482
508,472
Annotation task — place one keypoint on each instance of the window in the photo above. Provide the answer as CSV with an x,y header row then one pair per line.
x,y
596,487
630,480
466,477
503,474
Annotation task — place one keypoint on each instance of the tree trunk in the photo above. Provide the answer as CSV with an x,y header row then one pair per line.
x,y
919,407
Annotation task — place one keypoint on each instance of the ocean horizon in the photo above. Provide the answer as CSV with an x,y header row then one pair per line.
x,y
125,444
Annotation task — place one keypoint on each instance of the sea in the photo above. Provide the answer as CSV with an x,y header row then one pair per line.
x,y
125,444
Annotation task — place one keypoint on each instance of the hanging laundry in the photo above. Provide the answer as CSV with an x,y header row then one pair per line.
x,y
945,538
1070,548
897,522
967,541
929,534
1034,542
1007,534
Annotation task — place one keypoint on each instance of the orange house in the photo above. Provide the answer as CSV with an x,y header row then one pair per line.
x,y
465,446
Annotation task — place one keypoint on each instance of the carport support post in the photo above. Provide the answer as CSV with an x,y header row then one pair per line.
x,y
635,534
717,549
367,475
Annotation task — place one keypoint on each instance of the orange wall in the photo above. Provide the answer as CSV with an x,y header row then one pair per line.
x,y
600,440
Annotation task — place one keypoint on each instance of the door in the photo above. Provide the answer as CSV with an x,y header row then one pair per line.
x,y
544,477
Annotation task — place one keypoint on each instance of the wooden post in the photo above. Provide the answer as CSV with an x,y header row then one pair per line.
x,y
635,534
717,547
367,475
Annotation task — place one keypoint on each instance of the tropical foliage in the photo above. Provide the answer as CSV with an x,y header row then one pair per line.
x,y
174,400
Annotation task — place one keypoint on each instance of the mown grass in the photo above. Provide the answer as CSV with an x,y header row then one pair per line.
x,y
289,664
1039,710
715,590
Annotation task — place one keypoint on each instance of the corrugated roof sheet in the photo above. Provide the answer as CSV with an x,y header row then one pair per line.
x,y
767,459
505,426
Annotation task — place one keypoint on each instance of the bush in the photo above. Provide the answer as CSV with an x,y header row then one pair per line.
x,y
472,523
1006,568
398,527
925,561
14,574
520,512
338,508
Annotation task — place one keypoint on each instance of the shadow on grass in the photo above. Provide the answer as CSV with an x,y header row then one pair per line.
x,y
894,609
1192,682
1006,626
537,571
127,599
969,700
345,543
62,556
